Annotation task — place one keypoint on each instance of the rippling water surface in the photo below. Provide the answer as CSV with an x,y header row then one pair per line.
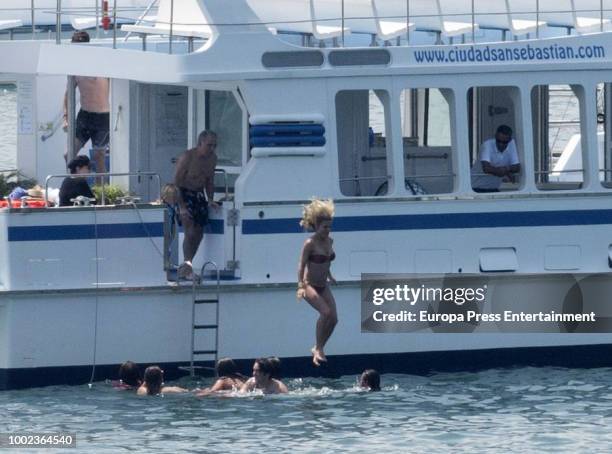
x,y
518,410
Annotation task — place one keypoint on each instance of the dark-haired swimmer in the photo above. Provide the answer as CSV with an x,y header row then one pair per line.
x,y
129,376
370,380
229,378
275,362
262,379
154,383
314,274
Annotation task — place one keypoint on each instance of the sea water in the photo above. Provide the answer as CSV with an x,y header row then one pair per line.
x,y
500,410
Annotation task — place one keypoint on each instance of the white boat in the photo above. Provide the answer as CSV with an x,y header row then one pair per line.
x,y
88,286
43,13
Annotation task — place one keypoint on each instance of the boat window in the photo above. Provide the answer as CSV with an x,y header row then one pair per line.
x,y
220,112
426,138
8,127
604,133
495,138
556,137
362,122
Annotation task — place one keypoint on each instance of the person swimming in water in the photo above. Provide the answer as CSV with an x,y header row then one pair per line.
x,y
262,379
275,362
314,274
370,380
154,383
229,378
129,376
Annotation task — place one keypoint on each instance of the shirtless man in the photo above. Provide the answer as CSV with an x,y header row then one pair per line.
x,y
262,379
93,120
229,378
195,171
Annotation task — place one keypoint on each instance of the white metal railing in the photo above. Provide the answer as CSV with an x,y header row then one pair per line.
x,y
344,17
142,16
107,174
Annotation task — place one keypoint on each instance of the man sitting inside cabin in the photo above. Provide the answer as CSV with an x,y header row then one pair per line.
x,y
194,177
497,160
93,120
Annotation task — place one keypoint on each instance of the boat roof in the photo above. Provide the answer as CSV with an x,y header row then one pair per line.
x,y
241,43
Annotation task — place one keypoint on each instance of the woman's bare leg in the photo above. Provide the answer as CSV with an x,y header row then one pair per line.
x,y
331,320
326,322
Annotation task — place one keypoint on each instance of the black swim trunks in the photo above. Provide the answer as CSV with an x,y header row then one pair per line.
x,y
94,126
196,204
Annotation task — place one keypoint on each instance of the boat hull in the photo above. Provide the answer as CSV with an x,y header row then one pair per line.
x,y
62,334
417,363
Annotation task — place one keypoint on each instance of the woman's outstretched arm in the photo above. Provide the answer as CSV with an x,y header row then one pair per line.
x,y
302,267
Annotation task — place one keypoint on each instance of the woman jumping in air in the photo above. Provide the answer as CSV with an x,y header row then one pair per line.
x,y
314,272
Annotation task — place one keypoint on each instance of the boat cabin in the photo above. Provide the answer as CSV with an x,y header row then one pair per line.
x,y
384,130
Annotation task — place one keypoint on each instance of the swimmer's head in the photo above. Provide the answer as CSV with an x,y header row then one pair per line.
x,y
370,379
262,371
129,374
153,378
226,367
275,362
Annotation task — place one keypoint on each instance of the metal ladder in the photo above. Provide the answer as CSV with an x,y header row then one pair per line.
x,y
204,327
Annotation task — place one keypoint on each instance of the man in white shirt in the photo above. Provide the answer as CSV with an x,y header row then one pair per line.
x,y
498,159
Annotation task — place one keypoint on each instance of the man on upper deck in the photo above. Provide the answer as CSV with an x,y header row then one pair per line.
x,y
194,177
93,120
497,160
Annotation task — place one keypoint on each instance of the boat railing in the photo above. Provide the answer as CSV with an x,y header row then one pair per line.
x,y
544,172
170,25
104,175
142,17
276,25
225,182
96,13
407,156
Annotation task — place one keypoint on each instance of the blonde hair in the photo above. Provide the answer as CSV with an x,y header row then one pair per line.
x,y
316,211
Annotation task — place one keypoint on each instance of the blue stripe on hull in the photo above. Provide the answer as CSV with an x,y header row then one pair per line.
x,y
85,231
420,363
214,226
105,231
438,221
